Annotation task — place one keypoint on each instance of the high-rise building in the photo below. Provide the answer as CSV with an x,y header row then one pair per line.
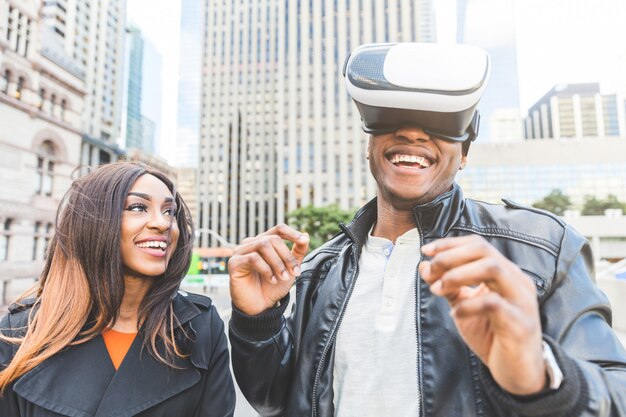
x,y
278,129
41,101
132,103
499,105
92,34
192,31
142,98
576,111
527,171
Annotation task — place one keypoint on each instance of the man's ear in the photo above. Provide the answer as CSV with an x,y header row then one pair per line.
x,y
367,151
463,162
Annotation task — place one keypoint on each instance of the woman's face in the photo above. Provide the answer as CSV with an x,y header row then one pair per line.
x,y
149,230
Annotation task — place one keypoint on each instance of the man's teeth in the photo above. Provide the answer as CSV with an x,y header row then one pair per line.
x,y
153,244
412,159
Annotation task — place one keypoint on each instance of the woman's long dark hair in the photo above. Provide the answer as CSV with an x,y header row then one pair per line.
x,y
82,284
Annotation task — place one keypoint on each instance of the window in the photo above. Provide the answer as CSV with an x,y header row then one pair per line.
x,y
63,105
5,81
5,235
10,24
18,88
53,102
42,97
47,237
36,240
45,170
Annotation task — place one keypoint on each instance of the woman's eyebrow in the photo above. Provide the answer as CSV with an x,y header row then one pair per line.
x,y
149,197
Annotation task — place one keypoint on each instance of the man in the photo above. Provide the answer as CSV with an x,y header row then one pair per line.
x,y
427,303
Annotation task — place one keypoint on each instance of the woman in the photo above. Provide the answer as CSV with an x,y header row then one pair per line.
x,y
106,332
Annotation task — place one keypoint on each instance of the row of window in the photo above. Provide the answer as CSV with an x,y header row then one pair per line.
x,y
56,106
15,23
41,238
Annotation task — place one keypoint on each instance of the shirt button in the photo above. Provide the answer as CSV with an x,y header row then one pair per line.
x,y
388,302
387,251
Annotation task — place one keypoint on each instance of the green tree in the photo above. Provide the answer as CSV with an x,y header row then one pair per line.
x,y
321,223
595,207
555,202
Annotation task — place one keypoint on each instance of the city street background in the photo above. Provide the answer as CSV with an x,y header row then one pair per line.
x,y
243,105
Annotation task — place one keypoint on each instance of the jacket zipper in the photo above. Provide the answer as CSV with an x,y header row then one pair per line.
x,y
418,326
331,340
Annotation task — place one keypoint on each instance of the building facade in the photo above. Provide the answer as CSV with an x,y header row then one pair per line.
x,y
576,111
528,171
192,30
142,93
278,129
132,103
40,139
92,34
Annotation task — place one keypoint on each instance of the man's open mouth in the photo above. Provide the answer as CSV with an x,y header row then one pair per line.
x,y
409,161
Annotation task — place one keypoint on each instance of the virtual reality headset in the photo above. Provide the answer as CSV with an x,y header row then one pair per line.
x,y
434,86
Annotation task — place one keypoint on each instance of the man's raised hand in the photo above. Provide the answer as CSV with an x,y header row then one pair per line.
x,y
263,268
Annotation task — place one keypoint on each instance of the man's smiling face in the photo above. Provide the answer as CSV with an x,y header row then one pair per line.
x,y
412,168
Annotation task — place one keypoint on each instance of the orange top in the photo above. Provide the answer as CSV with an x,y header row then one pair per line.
x,y
117,344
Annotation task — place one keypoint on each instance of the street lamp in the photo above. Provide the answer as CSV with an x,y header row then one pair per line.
x,y
216,236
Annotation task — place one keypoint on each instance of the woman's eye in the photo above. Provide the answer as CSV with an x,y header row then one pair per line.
x,y
170,212
137,207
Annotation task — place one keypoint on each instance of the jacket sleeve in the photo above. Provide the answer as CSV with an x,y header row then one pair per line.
x,y
263,356
218,396
576,319
8,399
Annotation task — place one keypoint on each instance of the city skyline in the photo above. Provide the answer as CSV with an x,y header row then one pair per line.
x,y
561,41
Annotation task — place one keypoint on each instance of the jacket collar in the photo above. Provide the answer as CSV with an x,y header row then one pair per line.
x,y
184,308
82,382
435,219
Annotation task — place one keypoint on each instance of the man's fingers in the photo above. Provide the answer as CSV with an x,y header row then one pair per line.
x,y
274,252
502,277
448,253
285,232
251,262
503,316
300,248
432,248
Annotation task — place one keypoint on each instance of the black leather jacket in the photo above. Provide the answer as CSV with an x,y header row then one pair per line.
x,y
285,366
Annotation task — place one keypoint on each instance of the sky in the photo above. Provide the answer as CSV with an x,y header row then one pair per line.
x,y
558,41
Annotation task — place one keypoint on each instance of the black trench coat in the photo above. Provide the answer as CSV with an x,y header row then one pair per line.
x,y
81,381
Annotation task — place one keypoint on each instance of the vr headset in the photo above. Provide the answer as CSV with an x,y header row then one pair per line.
x,y
431,85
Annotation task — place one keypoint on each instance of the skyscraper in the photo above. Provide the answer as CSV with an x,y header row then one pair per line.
x,y
500,101
142,98
133,78
192,32
278,130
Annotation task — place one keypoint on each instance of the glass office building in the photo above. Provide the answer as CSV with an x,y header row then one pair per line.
x,y
278,129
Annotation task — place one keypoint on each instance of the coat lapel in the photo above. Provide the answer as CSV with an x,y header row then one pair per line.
x,y
82,382
72,382
142,382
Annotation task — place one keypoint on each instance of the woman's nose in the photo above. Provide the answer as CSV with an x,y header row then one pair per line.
x,y
159,221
